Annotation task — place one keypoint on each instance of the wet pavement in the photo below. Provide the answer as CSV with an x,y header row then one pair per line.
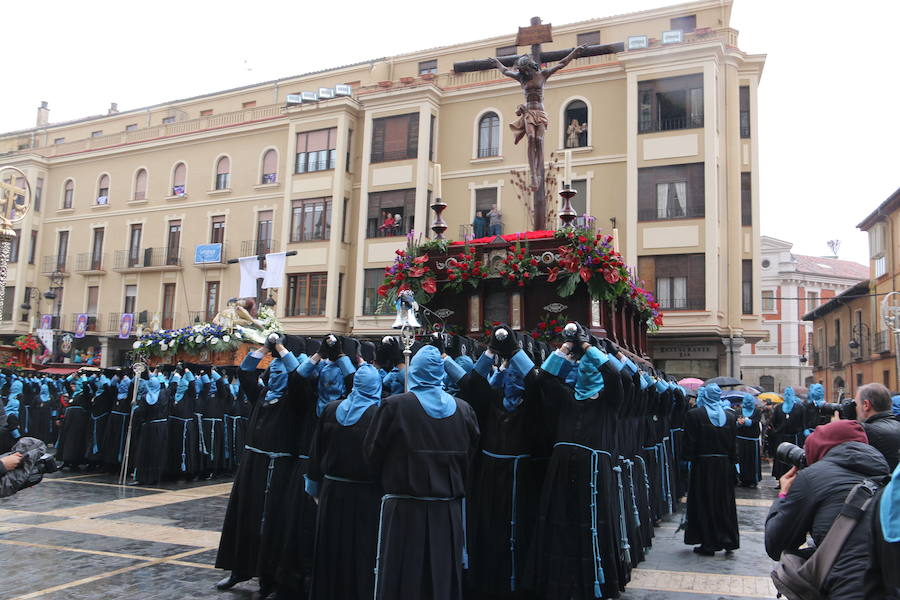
x,y
82,536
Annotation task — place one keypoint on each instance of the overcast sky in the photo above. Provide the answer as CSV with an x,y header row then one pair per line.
x,y
828,152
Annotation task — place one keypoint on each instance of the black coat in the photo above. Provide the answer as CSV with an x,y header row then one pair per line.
x,y
883,577
812,504
883,432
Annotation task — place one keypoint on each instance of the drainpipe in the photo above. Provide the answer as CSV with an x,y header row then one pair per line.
x,y
730,351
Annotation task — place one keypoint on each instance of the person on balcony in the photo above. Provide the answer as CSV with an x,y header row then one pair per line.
x,y
480,224
387,224
495,224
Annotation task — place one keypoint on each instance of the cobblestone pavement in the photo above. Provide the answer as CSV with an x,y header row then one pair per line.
x,y
79,536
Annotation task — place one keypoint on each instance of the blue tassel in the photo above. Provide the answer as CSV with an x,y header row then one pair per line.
x,y
597,590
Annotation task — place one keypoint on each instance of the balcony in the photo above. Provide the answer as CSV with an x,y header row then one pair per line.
x,y
112,323
92,322
696,303
148,259
671,124
667,213
53,263
258,247
89,263
816,359
883,342
834,356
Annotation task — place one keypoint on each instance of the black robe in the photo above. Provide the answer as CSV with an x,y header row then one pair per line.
x,y
104,398
184,434
75,433
711,511
423,464
565,565
786,427
504,493
347,515
748,450
112,450
150,460
258,509
214,428
237,414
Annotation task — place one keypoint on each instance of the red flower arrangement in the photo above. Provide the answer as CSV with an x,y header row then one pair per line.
x,y
519,266
549,327
410,271
28,343
465,269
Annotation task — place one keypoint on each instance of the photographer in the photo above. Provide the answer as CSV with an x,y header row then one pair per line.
x,y
839,457
873,409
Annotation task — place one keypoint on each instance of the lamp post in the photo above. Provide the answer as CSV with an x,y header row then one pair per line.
x,y
15,203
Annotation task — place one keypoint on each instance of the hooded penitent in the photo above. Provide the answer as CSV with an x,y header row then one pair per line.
x,y
590,380
748,405
152,391
366,392
790,398
890,509
426,374
710,398
279,373
122,388
511,381
816,394
826,437
895,405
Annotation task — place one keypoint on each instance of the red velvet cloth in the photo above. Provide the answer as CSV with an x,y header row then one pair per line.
x,y
826,437
512,237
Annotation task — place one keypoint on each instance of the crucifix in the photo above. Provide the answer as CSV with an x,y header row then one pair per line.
x,y
532,121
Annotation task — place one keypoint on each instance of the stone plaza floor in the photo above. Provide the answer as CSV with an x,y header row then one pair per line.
x,y
79,536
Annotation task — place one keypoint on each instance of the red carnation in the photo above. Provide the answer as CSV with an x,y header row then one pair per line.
x,y
521,284
533,262
535,334
452,276
429,285
582,239
557,329
542,325
383,290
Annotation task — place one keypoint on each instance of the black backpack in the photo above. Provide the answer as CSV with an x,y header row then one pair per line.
x,y
798,578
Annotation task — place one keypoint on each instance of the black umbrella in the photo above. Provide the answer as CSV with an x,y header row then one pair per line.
x,y
724,381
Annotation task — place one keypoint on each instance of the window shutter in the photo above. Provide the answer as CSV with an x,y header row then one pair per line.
x,y
140,185
180,171
270,160
412,136
378,140
224,166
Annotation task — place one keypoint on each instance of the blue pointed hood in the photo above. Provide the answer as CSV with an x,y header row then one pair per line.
x,y
890,509
816,394
710,398
426,375
790,398
895,405
15,388
153,388
122,388
366,392
590,380
748,405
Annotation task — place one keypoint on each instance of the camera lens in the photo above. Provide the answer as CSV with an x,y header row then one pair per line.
x,y
791,454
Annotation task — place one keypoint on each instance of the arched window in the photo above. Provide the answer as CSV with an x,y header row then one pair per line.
x,y
576,124
68,193
179,176
270,167
223,173
767,383
103,190
489,135
140,185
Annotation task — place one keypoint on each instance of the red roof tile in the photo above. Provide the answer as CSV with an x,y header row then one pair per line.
x,y
831,267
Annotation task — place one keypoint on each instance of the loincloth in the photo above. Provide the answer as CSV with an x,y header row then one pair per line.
x,y
533,117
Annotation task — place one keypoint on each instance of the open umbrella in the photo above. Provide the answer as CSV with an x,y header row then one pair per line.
x,y
690,383
771,397
749,389
724,381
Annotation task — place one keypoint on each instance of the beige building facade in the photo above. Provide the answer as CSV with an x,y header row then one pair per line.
x,y
662,135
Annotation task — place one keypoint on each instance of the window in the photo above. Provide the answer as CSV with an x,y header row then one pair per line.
x,y
97,133
306,294
767,383
390,213
768,301
489,135
38,193
249,104
686,24
32,248
168,120
746,201
680,280
671,103
168,306
485,198
62,249
223,173
140,185
588,38
812,299
103,190
269,167
880,266
68,193
26,301
372,278
876,240
507,51
315,150
131,127
10,293
93,297
173,244
264,231
217,230
672,192
130,301
349,146
206,113
212,300
179,176
60,140
97,250
428,67
745,111
576,120
747,287
340,295
134,244
395,138
14,246
311,219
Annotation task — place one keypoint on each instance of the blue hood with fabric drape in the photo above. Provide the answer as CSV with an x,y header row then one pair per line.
x,y
366,392
426,375
710,398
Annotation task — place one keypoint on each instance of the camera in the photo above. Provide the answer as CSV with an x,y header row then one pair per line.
x,y
791,454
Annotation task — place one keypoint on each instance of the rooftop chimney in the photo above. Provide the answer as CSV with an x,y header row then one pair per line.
x,y
43,114
113,108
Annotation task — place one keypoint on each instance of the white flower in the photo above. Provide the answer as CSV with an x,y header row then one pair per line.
x,y
226,338
237,334
136,345
163,346
198,339
214,341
